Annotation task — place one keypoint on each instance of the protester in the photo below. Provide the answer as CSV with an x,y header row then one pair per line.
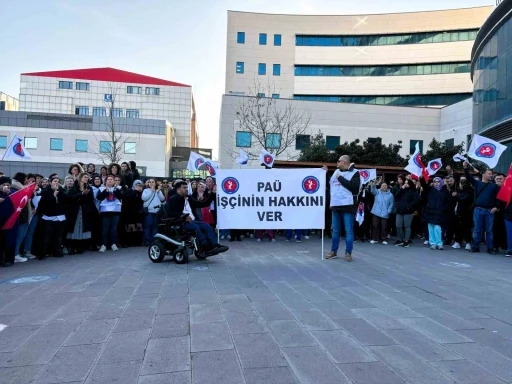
x,y
152,198
133,215
508,224
52,209
91,171
436,199
406,200
95,215
464,197
382,207
18,183
103,174
499,232
110,198
127,175
7,236
135,171
74,170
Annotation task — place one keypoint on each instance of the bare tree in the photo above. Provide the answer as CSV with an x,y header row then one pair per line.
x,y
111,139
274,124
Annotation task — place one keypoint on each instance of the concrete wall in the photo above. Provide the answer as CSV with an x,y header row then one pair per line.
x,y
456,122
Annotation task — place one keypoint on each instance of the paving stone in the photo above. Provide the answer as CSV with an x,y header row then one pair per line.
x,y
491,340
350,300
244,322
210,337
448,320
235,303
393,308
18,375
39,315
170,326
258,350
12,337
39,349
70,364
364,332
493,325
108,310
272,310
148,289
408,366
167,378
124,372
92,332
434,330
288,333
206,313
313,320
274,375
341,347
295,301
259,294
125,346
461,311
166,355
172,306
379,319
335,310
216,367
135,320
64,323
408,300
467,372
311,365
203,297
82,304
370,373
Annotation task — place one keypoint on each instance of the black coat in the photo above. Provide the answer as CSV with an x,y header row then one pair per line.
x,y
176,204
464,199
132,209
437,203
51,206
76,200
406,201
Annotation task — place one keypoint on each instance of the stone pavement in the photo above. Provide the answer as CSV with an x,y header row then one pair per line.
x,y
261,313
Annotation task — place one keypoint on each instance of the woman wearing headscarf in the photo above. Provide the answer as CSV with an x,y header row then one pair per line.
x,y
95,215
127,175
132,212
436,199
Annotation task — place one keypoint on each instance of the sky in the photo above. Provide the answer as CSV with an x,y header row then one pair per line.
x,y
177,40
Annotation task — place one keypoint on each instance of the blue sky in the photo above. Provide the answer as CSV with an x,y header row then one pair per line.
x,y
177,40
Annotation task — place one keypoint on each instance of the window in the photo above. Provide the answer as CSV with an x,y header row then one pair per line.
x,y
134,90
277,70
240,37
239,67
263,39
30,142
99,111
412,146
260,95
449,143
81,86
302,141
374,140
2,105
331,142
80,110
153,91
243,139
116,112
129,147
273,140
468,142
56,144
65,85
81,145
3,141
105,147
133,113
262,69
277,40
275,95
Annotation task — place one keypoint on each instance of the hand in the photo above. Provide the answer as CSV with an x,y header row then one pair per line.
x,y
475,170
189,219
405,186
324,167
86,191
465,164
448,168
454,194
214,190
56,192
494,210
1,200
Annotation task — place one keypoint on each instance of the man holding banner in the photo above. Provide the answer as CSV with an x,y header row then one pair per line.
x,y
344,187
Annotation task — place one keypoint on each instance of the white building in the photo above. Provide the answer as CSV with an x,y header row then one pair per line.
x,y
95,91
8,103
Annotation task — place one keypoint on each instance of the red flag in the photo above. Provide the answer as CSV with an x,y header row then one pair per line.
x,y
505,192
15,203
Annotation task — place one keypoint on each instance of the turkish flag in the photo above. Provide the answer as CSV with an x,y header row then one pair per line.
x,y
505,192
12,206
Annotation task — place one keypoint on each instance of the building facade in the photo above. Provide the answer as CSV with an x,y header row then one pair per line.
x,y
8,103
491,72
104,91
414,59
54,141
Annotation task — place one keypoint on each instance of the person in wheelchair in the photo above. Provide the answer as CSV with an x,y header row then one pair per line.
x,y
181,203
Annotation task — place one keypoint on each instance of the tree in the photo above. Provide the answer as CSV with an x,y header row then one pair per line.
x,y
438,149
317,151
272,123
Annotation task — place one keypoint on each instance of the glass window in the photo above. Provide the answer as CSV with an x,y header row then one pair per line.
x,y
276,70
331,142
464,35
134,90
260,95
116,112
412,146
3,141
275,95
80,110
82,86
263,39
449,143
65,85
56,144
81,145
302,141
273,140
153,91
277,40
105,147
468,141
446,37
132,113
427,69
436,69
99,111
243,139
239,67
437,37
240,37
30,142
130,147
262,69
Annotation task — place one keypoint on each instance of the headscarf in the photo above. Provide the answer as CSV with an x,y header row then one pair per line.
x,y
440,183
136,182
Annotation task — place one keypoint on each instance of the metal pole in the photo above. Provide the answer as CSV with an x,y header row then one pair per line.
x,y
322,244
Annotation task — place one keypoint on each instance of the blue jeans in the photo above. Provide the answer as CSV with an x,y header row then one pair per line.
x,y
435,235
289,234
109,223
22,230
29,236
150,227
348,221
508,225
483,220
204,232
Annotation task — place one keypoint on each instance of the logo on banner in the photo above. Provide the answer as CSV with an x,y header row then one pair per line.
x,y
435,165
365,175
267,159
230,185
210,168
18,149
486,150
310,184
417,160
198,163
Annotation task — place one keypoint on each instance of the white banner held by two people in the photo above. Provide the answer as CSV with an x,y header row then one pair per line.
x,y
271,198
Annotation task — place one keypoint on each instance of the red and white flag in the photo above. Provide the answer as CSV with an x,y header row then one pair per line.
x,y
505,193
12,206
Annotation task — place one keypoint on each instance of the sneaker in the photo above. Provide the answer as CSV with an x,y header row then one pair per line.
x,y
223,238
288,240
30,256
331,255
426,242
228,237
440,248
468,247
114,248
258,240
399,243
348,257
272,240
492,252
456,245
433,247
373,242
298,241
406,244
251,236
102,249
19,259
384,242
306,237
508,254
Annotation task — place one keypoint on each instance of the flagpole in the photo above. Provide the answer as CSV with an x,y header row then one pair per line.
x,y
323,258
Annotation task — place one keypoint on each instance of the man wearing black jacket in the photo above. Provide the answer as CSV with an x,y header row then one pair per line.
x,y
181,203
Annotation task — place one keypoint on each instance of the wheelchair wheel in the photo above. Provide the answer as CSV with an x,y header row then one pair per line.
x,y
199,255
181,256
156,251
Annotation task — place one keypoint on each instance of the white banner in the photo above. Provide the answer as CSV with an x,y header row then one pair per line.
x,y
271,198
